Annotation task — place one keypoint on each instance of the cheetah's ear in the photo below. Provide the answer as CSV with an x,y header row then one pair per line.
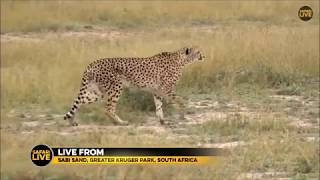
x,y
187,51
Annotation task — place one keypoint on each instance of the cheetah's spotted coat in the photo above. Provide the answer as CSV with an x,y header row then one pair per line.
x,y
158,74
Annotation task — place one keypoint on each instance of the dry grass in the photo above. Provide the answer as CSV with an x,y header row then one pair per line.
x,y
48,71
249,44
36,16
263,40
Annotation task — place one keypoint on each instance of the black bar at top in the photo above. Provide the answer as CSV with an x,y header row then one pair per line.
x,y
151,151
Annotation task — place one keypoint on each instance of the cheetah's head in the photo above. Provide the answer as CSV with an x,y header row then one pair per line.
x,y
190,55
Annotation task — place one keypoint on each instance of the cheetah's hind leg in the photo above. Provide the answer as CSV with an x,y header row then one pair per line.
x,y
89,93
111,103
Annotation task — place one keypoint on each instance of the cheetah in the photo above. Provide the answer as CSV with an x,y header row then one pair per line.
x,y
106,78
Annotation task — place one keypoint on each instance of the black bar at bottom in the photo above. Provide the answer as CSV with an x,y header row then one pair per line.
x,y
147,151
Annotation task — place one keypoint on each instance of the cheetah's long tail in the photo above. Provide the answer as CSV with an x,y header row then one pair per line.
x,y
75,106
87,76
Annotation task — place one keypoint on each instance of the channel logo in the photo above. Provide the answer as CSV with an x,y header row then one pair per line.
x,y
41,155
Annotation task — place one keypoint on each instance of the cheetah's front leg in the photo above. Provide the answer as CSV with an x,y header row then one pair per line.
x,y
178,102
158,104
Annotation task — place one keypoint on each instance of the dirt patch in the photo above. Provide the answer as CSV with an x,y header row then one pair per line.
x,y
37,37
264,175
193,130
225,145
203,111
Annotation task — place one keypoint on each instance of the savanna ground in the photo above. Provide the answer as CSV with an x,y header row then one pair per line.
x,y
256,94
